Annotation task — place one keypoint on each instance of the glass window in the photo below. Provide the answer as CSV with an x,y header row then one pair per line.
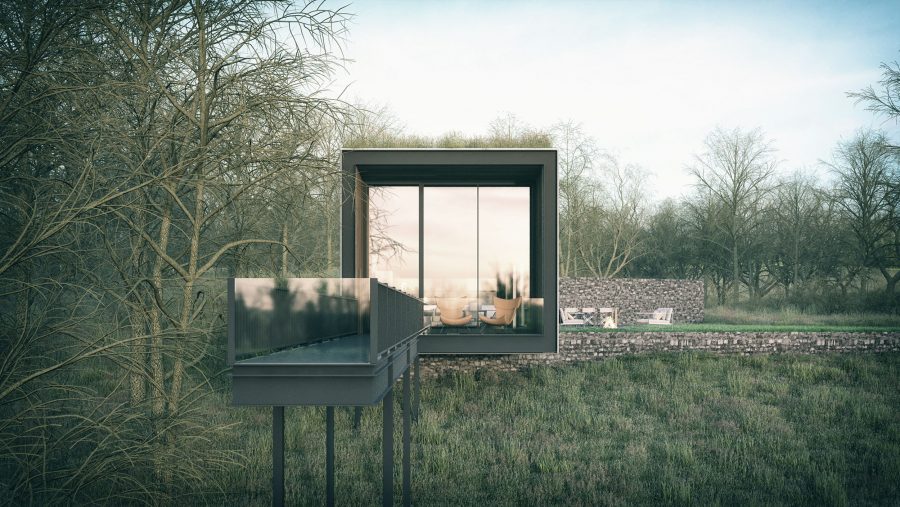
x,y
450,257
503,243
476,256
394,237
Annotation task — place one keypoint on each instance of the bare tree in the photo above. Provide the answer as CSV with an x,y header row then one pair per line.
x,y
799,216
610,237
886,101
866,193
576,155
132,131
736,170
669,250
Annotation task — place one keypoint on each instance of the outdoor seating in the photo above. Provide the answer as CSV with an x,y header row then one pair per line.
x,y
588,315
505,311
660,316
612,312
567,319
451,310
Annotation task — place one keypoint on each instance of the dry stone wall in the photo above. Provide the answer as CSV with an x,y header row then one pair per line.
x,y
581,346
634,295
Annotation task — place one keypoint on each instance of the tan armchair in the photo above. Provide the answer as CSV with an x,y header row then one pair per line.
x,y
505,311
451,310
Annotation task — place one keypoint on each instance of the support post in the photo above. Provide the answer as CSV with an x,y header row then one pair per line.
x,y
417,388
329,456
407,493
357,417
387,448
278,456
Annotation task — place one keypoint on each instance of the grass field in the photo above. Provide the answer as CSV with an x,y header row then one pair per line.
x,y
644,430
729,319
712,327
792,317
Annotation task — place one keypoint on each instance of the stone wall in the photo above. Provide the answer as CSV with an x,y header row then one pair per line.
x,y
580,346
633,295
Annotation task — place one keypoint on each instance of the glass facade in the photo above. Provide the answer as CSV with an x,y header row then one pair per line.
x,y
450,240
475,260
394,236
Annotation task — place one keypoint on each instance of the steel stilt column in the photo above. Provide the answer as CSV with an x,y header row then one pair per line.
x,y
329,456
417,388
407,493
278,456
387,448
357,417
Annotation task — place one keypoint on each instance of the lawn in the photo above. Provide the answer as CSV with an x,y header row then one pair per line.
x,y
792,317
671,429
712,327
729,319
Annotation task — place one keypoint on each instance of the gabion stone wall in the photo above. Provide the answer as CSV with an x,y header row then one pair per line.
x,y
577,347
633,295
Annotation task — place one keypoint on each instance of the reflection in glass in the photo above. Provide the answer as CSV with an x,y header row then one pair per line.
x,y
394,236
503,247
476,255
278,315
450,259
527,318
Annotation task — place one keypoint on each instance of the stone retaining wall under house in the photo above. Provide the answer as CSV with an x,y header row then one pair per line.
x,y
581,346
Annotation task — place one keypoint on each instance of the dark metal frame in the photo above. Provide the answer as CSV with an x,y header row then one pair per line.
x,y
534,168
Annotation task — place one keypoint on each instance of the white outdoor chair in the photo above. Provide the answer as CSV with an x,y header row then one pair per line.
x,y
613,312
660,316
566,318
589,314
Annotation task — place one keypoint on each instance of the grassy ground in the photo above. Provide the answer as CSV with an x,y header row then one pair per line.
x,y
670,429
791,317
712,327
728,319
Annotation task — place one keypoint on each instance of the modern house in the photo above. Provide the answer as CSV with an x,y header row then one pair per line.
x,y
442,252
472,232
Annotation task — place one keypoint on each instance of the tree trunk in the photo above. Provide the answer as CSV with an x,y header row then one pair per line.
x,y
139,356
890,281
138,320
284,250
156,341
735,278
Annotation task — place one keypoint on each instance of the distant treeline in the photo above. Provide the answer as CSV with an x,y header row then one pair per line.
x,y
753,235
755,232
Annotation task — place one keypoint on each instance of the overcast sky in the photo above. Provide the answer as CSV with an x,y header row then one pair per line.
x,y
648,80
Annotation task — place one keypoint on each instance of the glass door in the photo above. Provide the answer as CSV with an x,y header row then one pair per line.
x,y
450,255
503,243
469,258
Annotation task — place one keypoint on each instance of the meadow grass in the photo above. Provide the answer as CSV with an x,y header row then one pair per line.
x,y
673,429
789,316
713,327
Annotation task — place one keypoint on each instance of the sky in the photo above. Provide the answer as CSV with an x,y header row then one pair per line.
x,y
647,80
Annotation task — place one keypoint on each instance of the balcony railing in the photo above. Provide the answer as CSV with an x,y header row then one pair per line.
x,y
318,320
395,316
